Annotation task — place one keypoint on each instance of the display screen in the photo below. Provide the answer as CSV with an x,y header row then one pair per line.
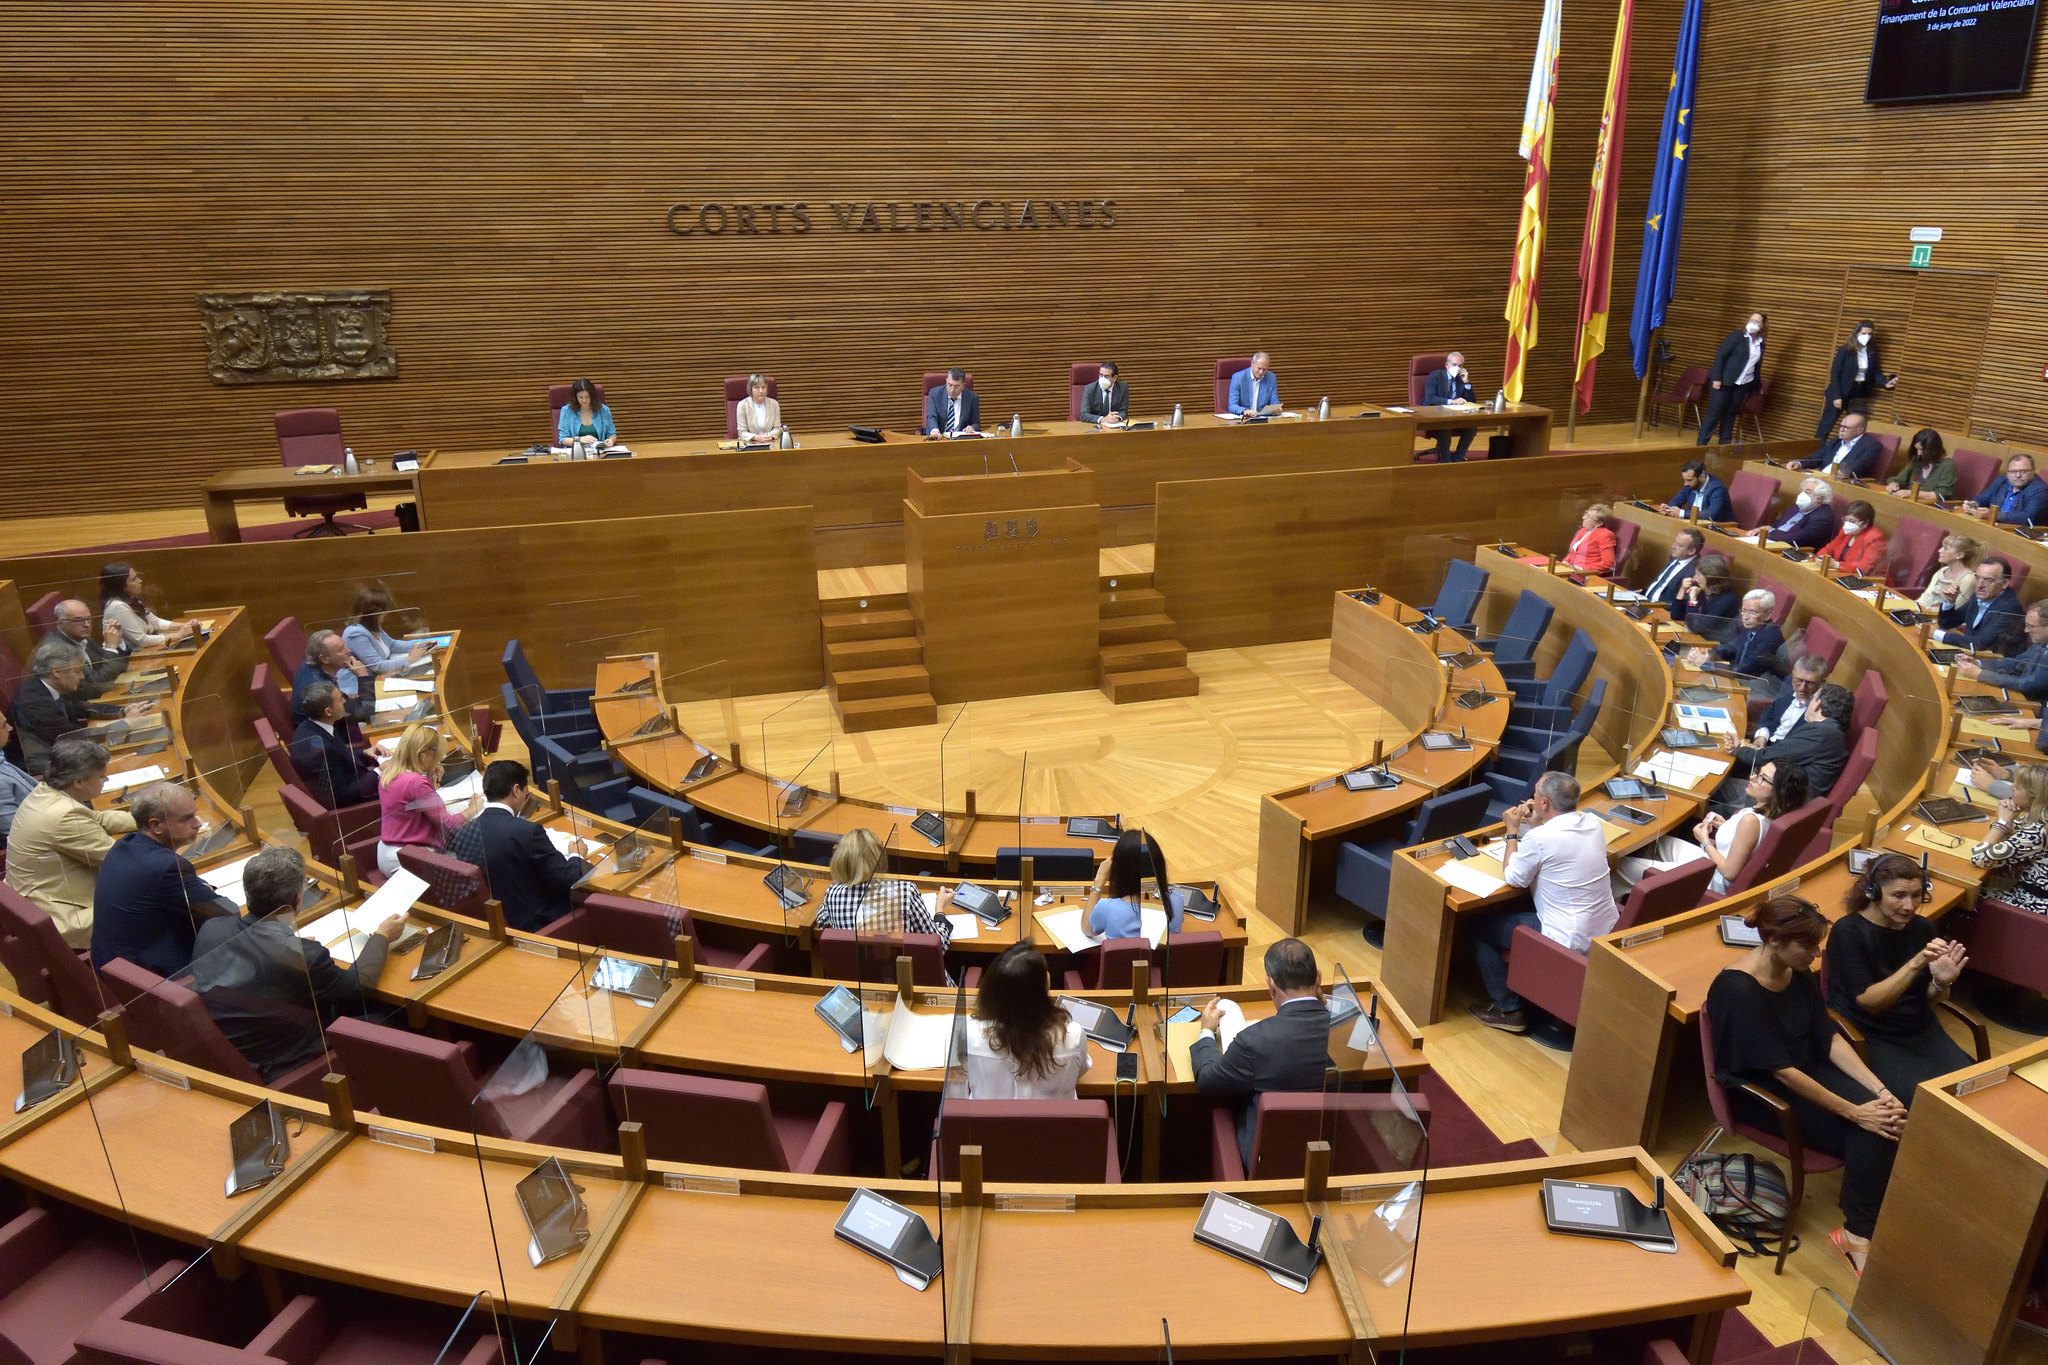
x,y
1587,1206
1937,50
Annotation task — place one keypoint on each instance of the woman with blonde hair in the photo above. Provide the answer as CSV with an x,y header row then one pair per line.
x,y
410,807
859,899
1955,576
757,417
2017,842
1592,549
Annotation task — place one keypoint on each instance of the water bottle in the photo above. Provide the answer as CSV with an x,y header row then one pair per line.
x,y
1323,410
1500,401
1176,414
1016,424
788,440
348,461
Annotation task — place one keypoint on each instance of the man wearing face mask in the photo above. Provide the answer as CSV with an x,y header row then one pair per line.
x,y
1854,376
1811,522
1106,402
1859,547
1852,454
2016,497
1733,378
1451,384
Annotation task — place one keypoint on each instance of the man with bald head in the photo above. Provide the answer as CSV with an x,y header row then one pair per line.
x,y
148,902
1254,390
104,658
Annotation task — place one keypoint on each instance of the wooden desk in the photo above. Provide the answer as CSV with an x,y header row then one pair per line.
x,y
224,490
1964,1216
1527,426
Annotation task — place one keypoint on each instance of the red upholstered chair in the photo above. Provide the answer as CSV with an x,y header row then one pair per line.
x,y
1862,758
2015,571
2009,944
276,706
484,724
1788,1145
1778,852
313,436
558,398
1784,595
847,956
11,674
1975,472
1689,390
1111,969
331,833
1048,1142
42,613
1548,974
736,394
1872,696
280,758
1915,544
1420,368
1225,368
53,1286
1624,541
287,645
1079,377
455,886
1366,1133
1197,957
1749,496
1824,640
710,1122
932,380
65,981
1752,408
425,1080
622,924
182,1319
1888,447
169,1018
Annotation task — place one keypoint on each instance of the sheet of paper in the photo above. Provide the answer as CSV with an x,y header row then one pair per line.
x,y
964,927
1402,410
395,897
1232,1023
931,901
1065,928
392,684
1152,924
227,879
337,932
918,1042
457,793
1712,720
403,703
1955,845
134,777
568,844
1469,879
874,1033
2035,1073
1180,1041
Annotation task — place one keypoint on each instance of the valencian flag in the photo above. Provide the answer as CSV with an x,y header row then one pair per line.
x,y
1659,271
1596,256
1537,118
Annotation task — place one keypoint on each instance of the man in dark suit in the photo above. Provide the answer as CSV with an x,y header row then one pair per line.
x,y
1685,556
527,874
1810,522
1852,454
48,705
1753,648
1819,744
328,660
269,989
1106,396
1290,1050
2016,497
1990,620
1451,384
148,901
1697,486
104,658
1852,378
328,751
1788,710
2025,672
952,409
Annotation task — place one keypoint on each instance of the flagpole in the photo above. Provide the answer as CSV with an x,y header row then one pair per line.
x,y
1643,392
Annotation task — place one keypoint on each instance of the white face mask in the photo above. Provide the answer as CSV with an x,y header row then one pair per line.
x,y
1863,338
1108,382
1804,502
1851,528
1752,329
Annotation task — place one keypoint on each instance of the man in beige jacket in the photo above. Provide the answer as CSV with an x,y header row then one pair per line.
x,y
58,841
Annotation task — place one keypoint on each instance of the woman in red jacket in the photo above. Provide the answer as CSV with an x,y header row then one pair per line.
x,y
1592,549
1859,547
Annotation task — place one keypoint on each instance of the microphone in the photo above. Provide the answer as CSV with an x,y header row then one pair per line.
x,y
1013,466
984,462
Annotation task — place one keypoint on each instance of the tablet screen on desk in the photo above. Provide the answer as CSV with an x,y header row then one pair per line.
x,y
1581,1206
1240,1224
875,1220
1435,740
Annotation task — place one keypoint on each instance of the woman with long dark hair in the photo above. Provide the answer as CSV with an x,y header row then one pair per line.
x,y
1114,905
1022,1044
122,601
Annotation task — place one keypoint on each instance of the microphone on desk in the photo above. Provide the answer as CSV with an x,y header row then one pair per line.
x,y
1657,1203
984,462
1013,466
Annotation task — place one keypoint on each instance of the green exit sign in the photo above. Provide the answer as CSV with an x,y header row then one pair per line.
x,y
1923,255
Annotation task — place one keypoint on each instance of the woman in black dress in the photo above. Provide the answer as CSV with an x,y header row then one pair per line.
x,y
1771,1029
1886,969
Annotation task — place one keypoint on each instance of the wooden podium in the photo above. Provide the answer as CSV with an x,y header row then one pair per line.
x,y
1003,571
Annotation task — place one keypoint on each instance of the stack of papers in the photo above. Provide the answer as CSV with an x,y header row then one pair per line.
x,y
401,702
408,685
566,844
458,793
1065,927
134,777
1711,720
907,1039
1673,768
343,932
227,879
1466,875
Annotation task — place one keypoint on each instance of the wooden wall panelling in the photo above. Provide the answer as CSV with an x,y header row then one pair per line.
x,y
14,627
1796,180
1254,560
510,181
733,593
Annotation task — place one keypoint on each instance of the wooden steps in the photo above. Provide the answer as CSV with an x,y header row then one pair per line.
x,y
873,624
887,713
850,656
875,663
860,684
1140,660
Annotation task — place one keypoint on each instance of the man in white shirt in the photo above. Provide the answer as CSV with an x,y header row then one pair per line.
x,y
1788,709
1561,861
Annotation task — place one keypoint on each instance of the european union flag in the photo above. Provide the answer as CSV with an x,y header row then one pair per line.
x,y
1658,273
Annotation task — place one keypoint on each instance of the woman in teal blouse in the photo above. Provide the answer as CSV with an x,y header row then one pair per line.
x,y
583,415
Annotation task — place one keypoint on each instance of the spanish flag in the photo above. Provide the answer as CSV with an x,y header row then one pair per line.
x,y
1538,115
1596,256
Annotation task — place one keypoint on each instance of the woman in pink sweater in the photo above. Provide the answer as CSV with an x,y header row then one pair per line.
x,y
412,809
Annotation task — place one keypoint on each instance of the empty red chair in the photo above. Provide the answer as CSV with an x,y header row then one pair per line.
x,y
1888,455
1975,472
485,727
1112,966
1752,409
1778,852
708,1122
52,1286
1197,958
1225,368
168,1018
1040,1142
1915,544
735,394
1551,976
1624,541
1079,377
1749,497
1803,1162
455,886
2015,570
1871,699
287,646
331,833
932,380
847,956
56,975
2010,944
1366,1132
425,1080
558,398
42,613
313,436
1689,390
275,706
622,924
1824,640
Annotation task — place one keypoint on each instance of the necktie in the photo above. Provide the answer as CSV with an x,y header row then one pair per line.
x,y
953,418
